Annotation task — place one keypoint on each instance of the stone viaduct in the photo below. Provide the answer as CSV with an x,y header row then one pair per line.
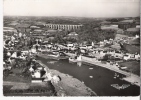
x,y
62,26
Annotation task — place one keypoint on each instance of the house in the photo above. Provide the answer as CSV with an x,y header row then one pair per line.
x,y
14,55
72,35
128,56
22,57
79,58
103,53
137,36
101,43
138,26
89,46
8,54
118,54
111,39
49,46
36,77
33,50
137,56
105,41
20,34
70,45
83,50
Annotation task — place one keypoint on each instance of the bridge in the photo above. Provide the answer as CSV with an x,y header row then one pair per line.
x,y
63,26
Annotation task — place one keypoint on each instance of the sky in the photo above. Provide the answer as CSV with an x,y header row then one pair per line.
x,y
78,8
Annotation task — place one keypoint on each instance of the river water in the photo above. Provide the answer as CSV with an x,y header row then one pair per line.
x,y
97,78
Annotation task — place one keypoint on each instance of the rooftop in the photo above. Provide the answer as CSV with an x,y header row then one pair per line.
x,y
73,33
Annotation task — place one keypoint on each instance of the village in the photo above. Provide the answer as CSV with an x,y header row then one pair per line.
x,y
24,43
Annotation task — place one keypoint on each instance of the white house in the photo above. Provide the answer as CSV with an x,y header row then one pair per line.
x,y
79,58
25,52
37,74
55,79
102,53
137,36
137,56
82,50
126,57
101,43
118,54
20,34
33,50
8,54
22,57
14,55
137,26
70,45
12,38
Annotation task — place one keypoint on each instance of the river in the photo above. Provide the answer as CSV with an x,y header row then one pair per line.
x,y
101,79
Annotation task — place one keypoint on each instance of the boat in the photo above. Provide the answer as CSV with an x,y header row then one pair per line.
x,y
116,75
123,67
83,82
91,76
90,68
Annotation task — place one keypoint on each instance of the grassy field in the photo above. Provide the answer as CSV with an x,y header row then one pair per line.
x,y
131,48
28,89
132,66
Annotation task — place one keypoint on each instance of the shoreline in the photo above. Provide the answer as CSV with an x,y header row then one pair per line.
x,y
69,86
131,78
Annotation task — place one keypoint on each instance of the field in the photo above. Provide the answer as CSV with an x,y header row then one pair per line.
x,y
132,66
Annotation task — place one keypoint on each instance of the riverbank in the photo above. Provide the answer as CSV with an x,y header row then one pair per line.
x,y
101,79
131,78
70,86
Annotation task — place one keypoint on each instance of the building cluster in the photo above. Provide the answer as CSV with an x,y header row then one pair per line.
x,y
25,58
33,38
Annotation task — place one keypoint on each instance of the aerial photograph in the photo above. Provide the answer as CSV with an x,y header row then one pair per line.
x,y
61,48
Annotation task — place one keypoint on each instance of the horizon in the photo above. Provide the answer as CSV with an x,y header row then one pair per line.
x,y
72,8
65,16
